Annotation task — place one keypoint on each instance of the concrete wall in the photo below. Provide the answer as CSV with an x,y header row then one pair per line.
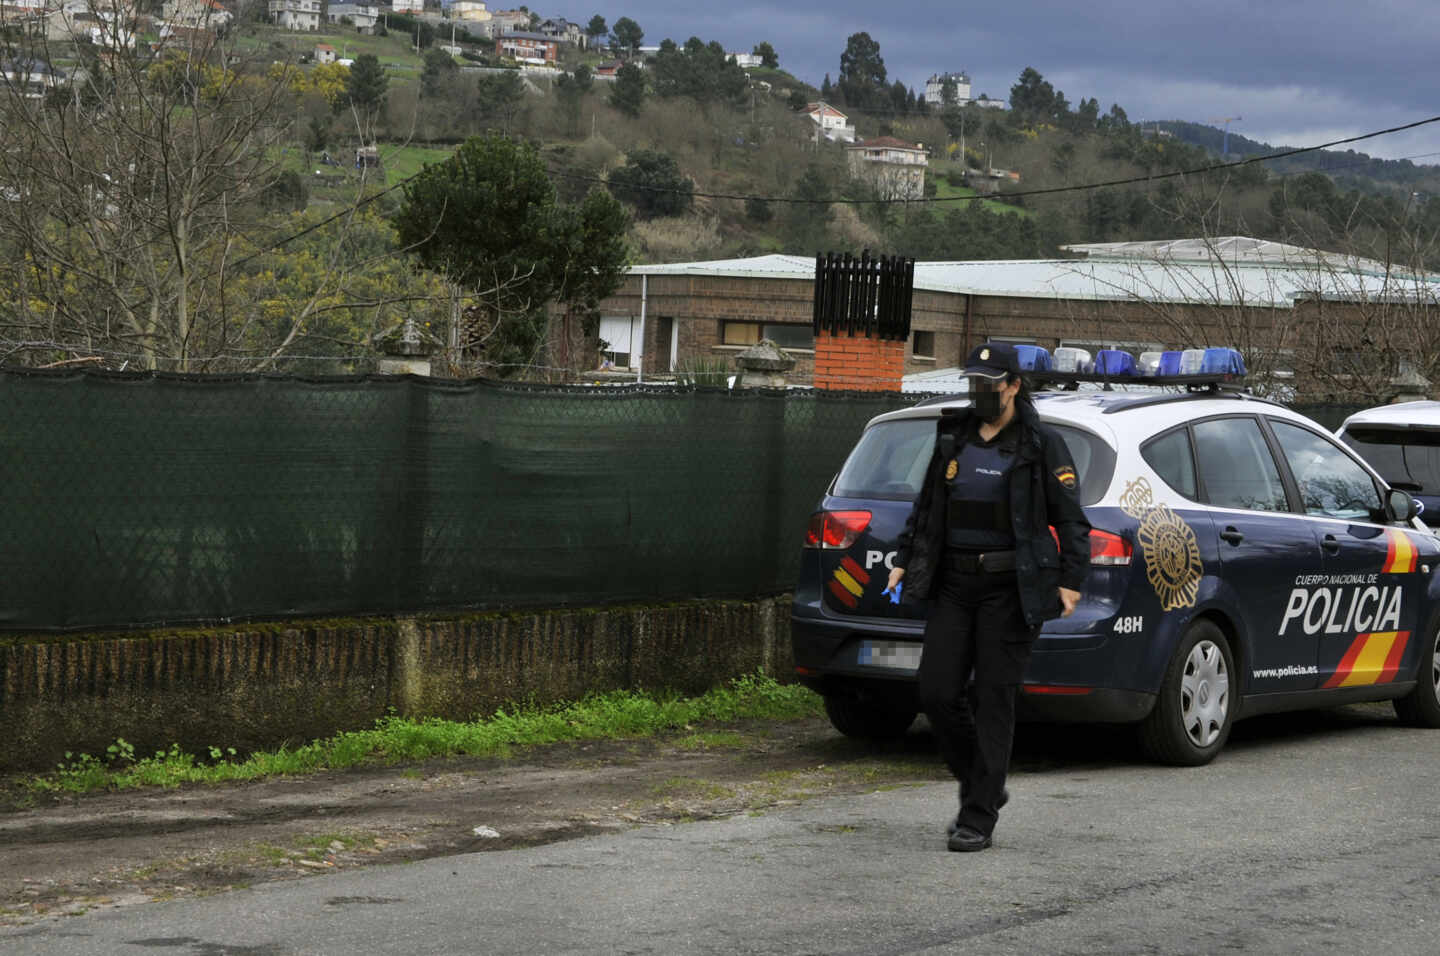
x,y
291,682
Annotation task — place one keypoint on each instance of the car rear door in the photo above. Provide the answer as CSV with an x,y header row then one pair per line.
x,y
1366,610
1264,548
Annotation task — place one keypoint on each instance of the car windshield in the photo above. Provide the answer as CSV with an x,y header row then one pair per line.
x,y
1405,458
890,461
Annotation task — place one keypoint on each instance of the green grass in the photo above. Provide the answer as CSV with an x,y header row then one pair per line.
x,y
615,715
943,190
402,162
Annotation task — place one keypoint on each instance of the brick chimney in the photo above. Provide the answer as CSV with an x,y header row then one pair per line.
x,y
862,321
858,363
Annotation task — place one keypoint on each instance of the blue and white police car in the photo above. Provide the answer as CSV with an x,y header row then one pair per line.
x,y
1402,443
1242,561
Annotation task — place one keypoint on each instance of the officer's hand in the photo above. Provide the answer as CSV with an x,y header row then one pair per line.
x,y
1068,600
895,575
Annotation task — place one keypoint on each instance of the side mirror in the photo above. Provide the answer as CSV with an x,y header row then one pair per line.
x,y
1402,505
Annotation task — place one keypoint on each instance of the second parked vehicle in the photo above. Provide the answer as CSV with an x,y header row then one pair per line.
x,y
1402,443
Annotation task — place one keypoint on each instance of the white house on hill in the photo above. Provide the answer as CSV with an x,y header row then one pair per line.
x,y
833,124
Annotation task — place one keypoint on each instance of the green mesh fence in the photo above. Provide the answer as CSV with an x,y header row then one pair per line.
x,y
153,499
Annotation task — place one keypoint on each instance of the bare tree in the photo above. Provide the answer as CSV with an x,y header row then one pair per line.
x,y
144,208
1312,324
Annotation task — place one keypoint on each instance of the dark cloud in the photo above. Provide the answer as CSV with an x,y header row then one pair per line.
x,y
1297,72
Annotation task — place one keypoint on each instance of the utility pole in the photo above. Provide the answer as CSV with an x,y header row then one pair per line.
x,y
1225,143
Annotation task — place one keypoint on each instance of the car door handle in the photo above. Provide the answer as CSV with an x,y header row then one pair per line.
x,y
1331,544
1232,535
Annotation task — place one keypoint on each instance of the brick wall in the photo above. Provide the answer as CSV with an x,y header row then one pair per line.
x,y
856,363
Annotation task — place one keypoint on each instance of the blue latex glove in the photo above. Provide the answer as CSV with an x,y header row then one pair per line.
x,y
894,593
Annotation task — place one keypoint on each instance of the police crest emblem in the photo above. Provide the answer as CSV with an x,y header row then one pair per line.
x,y
952,469
1172,555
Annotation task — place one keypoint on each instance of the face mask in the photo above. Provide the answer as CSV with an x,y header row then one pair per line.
x,y
986,403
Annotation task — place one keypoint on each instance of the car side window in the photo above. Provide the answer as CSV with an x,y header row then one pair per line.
x,y
1171,457
1236,467
1332,484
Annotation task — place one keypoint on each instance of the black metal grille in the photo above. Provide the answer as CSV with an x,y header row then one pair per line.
x,y
864,296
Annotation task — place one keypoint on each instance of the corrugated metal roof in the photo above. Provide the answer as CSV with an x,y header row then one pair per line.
x,y
756,267
1267,282
1228,249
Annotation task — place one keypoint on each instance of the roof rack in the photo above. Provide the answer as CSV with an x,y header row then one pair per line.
x,y
1146,401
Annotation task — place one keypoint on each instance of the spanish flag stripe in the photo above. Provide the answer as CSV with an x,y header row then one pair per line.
x,y
848,583
1400,556
1370,663
1347,663
848,563
1411,554
845,596
1392,661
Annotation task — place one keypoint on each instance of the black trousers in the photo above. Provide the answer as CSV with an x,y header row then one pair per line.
x,y
975,624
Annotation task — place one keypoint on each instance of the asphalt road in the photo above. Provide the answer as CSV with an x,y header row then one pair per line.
x,y
1311,833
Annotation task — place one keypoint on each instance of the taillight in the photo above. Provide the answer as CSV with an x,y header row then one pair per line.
x,y
835,530
1109,549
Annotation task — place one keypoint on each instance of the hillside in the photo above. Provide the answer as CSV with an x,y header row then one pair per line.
x,y
734,133
1350,168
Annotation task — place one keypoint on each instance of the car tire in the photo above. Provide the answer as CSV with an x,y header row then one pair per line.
x,y
1421,707
1192,718
868,719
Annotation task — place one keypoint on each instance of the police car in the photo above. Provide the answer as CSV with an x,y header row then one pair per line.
x,y
1242,561
1402,443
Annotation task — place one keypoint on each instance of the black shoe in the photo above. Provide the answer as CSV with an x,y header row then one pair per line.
x,y
966,840
956,824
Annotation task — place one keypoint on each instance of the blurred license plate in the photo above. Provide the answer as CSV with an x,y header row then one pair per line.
x,y
903,655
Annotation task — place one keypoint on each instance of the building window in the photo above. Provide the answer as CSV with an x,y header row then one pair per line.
x,y
739,333
617,334
790,336
922,345
787,335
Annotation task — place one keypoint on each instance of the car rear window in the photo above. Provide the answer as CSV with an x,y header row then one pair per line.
x,y
1405,458
890,460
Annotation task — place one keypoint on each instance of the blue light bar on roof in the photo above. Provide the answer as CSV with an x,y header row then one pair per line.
x,y
1222,362
1189,368
1033,358
1114,362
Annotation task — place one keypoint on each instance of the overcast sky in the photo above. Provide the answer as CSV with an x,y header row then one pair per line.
x,y
1298,72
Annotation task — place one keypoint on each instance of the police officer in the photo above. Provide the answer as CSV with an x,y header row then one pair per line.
x,y
978,545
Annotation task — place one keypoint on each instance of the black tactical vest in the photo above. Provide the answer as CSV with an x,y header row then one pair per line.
x,y
978,506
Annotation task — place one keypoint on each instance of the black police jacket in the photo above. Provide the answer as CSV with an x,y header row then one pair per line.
x,y
1043,494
